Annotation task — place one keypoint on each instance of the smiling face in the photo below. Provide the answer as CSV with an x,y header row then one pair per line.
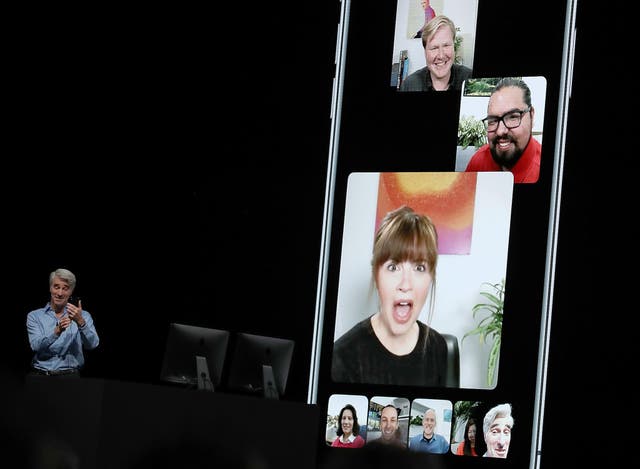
x,y
507,145
429,423
388,423
471,434
440,54
346,423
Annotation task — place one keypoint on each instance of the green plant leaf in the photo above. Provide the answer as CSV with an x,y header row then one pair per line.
x,y
493,298
494,353
471,132
489,327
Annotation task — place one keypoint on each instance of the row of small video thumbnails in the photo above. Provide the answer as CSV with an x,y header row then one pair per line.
x,y
466,428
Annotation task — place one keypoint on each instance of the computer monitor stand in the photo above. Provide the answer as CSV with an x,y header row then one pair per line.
x,y
269,383
204,379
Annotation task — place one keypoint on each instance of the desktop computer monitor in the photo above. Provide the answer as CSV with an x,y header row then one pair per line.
x,y
260,365
194,356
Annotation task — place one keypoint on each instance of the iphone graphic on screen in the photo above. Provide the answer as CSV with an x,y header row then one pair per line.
x,y
440,226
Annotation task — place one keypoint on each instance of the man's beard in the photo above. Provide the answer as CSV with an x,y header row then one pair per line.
x,y
505,159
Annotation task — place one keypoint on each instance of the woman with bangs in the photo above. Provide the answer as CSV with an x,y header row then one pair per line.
x,y
392,346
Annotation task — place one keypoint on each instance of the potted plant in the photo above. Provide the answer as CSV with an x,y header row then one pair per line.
x,y
471,135
489,327
471,132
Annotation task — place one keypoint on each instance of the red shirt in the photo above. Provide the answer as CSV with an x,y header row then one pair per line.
x,y
460,450
527,169
358,442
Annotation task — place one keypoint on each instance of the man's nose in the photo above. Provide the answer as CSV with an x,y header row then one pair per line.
x,y
502,128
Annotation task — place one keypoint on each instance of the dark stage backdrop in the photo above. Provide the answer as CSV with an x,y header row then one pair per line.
x,y
176,164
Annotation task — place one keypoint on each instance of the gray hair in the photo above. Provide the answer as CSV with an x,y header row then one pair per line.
x,y
65,275
435,414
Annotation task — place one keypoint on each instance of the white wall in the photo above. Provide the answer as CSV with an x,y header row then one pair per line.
x,y
459,277
418,407
462,12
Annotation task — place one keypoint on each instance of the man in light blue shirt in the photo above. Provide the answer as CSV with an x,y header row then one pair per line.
x,y
429,441
60,331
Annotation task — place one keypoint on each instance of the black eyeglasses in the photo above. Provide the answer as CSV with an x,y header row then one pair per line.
x,y
511,120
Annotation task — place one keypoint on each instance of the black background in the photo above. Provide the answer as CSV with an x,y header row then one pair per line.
x,y
157,153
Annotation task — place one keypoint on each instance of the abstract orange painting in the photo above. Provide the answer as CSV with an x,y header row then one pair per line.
x,y
448,198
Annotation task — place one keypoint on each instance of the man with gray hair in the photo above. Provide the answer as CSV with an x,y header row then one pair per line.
x,y
429,441
496,426
60,330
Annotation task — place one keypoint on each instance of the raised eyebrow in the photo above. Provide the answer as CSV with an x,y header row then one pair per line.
x,y
494,427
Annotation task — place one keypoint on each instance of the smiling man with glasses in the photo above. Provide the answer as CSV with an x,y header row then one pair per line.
x,y
509,125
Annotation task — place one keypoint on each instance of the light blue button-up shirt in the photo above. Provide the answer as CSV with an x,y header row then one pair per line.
x,y
53,352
